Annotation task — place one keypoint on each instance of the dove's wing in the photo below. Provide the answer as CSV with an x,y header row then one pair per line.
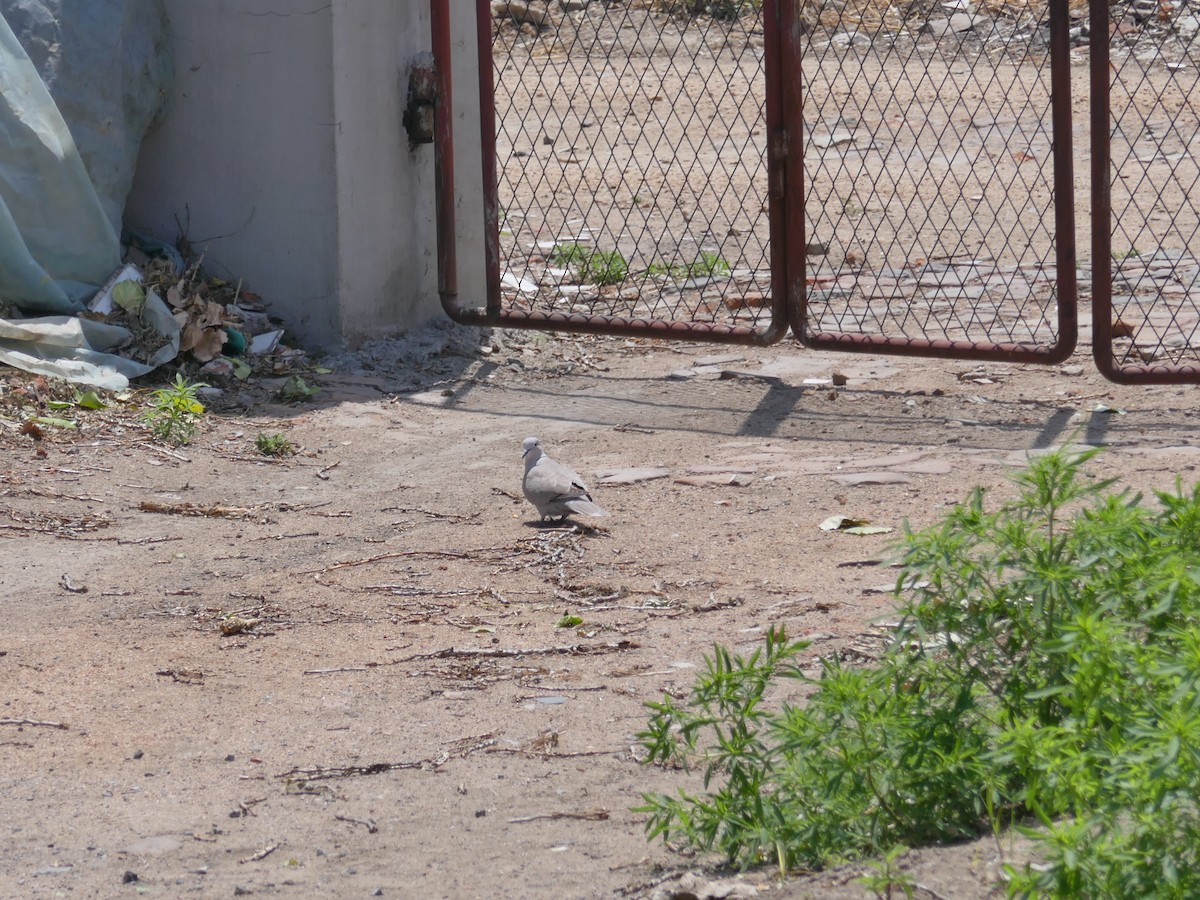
x,y
556,490
549,480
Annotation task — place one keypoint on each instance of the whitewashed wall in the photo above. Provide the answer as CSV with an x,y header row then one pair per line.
x,y
284,154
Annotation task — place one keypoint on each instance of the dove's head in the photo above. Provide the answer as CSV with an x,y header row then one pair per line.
x,y
531,443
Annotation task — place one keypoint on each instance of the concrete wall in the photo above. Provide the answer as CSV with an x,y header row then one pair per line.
x,y
284,155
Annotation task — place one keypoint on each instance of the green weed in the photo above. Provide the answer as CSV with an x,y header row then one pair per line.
x,y
594,266
886,880
707,265
1046,674
175,411
273,445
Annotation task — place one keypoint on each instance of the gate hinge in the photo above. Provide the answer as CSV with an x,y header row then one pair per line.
x,y
422,98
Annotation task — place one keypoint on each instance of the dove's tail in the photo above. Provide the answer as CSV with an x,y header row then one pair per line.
x,y
585,508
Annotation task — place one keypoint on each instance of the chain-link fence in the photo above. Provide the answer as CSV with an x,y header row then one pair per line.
x,y
631,155
931,178
931,188
1148,295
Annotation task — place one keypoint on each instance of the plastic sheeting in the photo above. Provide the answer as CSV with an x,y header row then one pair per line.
x,y
56,244
70,348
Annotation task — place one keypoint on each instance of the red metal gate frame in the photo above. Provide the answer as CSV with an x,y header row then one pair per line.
x,y
494,312
1064,215
785,166
1102,282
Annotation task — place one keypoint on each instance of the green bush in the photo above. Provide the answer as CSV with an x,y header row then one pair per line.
x,y
1044,676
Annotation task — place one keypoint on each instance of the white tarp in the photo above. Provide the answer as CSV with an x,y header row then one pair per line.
x,y
57,246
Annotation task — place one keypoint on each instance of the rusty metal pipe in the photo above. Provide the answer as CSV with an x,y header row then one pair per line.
x,y
443,157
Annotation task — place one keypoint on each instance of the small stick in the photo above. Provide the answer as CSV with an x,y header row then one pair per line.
x,y
429,512
504,653
281,537
165,452
318,773
65,581
322,473
334,671
216,511
597,814
396,554
23,722
261,854
369,824
550,754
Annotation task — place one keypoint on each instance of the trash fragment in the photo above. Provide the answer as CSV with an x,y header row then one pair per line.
x,y
264,343
853,526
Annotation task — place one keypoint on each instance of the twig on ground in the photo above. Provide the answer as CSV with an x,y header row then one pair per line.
x,y
32,723
320,773
369,824
552,754
184,508
506,653
65,582
395,554
282,537
596,815
455,517
323,474
165,452
261,854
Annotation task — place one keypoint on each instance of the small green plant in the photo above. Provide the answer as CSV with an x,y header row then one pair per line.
x,y
175,411
594,266
1045,675
605,268
273,445
887,880
708,265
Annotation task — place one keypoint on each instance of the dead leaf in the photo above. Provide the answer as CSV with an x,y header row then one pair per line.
x,y
205,344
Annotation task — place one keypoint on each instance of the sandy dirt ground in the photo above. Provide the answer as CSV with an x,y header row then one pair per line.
x,y
342,674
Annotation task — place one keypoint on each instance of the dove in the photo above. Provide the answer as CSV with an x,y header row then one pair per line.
x,y
552,488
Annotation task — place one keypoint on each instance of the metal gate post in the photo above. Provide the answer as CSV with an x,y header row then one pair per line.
x,y
443,159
